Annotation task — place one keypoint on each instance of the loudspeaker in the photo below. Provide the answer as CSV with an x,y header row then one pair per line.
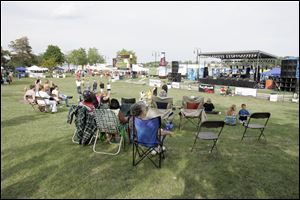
x,y
175,66
205,73
174,77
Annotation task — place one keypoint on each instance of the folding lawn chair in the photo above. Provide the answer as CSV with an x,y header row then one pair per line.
x,y
256,117
31,101
163,106
108,123
209,136
192,110
146,139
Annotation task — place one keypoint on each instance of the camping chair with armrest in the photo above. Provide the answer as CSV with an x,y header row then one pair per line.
x,y
162,106
209,136
146,138
192,110
256,117
108,122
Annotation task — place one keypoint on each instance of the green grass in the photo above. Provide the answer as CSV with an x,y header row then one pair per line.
x,y
39,159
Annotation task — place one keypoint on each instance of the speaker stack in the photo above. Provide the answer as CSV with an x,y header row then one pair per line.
x,y
288,77
205,73
175,76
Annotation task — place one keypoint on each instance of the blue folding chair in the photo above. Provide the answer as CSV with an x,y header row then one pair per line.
x,y
146,138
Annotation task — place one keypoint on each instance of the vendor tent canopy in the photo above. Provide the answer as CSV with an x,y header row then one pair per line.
x,y
36,68
21,69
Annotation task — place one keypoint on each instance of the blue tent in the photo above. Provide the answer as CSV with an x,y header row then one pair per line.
x,y
273,72
21,69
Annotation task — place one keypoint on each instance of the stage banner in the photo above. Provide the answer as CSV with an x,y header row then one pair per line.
x,y
175,85
191,74
153,82
245,91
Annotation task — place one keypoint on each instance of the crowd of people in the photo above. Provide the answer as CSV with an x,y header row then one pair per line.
x,y
48,94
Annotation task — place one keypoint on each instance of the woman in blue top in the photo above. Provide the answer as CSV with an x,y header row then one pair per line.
x,y
243,114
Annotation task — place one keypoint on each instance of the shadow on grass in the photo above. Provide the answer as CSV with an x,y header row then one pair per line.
x,y
246,174
24,119
59,169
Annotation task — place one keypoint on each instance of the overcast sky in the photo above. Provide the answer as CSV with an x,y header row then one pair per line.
x,y
144,27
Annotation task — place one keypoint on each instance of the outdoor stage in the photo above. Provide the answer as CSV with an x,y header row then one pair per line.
x,y
229,82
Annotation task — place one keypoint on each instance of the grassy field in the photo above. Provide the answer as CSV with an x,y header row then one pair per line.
x,y
39,160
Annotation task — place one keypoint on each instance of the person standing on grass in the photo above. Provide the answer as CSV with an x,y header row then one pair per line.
x,y
78,87
101,87
95,86
108,88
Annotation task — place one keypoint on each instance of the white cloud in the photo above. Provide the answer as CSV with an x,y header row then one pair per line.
x,y
66,10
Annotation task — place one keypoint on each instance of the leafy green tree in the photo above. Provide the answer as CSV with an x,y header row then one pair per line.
x,y
53,53
21,52
125,52
50,63
78,57
4,57
94,57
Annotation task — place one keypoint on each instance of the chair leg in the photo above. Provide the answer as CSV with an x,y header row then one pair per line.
x,y
261,133
215,142
194,143
107,153
73,138
244,133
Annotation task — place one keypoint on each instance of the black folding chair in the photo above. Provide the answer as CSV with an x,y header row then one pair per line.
x,y
212,136
146,139
257,116
126,104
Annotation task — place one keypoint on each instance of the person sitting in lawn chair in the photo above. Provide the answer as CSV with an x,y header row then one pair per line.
x,y
43,98
140,110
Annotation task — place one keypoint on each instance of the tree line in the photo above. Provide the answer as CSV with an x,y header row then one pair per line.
x,y
21,54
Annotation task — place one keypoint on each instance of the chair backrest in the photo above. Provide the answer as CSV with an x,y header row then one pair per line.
x,y
147,132
106,120
128,100
30,99
260,115
162,102
192,102
212,124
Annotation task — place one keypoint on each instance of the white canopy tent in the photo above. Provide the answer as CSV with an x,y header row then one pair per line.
x,y
137,68
37,72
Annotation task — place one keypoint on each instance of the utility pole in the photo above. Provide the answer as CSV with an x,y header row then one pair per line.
x,y
155,54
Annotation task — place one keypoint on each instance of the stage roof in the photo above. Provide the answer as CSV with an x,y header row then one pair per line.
x,y
231,55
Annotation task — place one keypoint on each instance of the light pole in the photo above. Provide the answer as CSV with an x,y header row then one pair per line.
x,y
155,54
197,51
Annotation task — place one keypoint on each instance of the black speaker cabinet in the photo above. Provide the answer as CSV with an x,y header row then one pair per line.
x,y
174,77
288,80
205,73
175,66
